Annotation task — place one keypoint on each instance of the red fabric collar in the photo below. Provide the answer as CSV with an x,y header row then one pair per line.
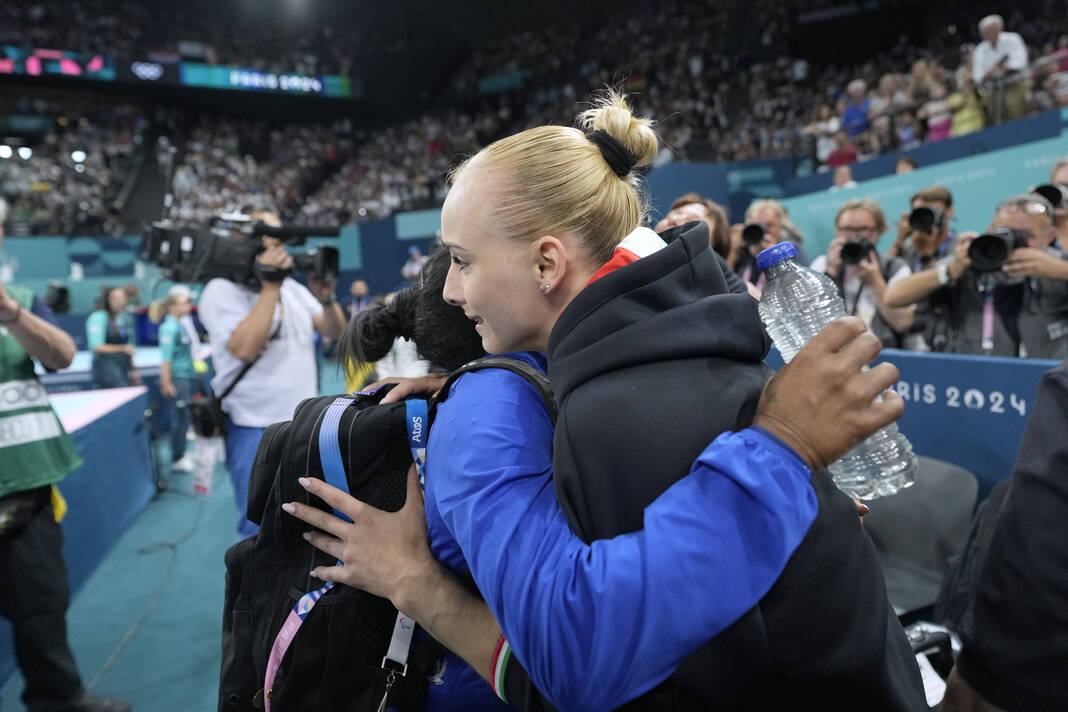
x,y
620,258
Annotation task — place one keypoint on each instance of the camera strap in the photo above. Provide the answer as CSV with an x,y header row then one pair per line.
x,y
250,364
988,321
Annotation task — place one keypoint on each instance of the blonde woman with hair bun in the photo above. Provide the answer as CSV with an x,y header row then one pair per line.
x,y
672,498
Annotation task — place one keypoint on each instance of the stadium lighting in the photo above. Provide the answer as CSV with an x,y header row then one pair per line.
x,y
77,156
5,151
25,152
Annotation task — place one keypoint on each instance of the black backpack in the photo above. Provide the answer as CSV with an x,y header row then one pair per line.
x,y
337,659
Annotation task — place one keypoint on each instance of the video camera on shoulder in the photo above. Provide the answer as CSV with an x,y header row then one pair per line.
x,y
227,247
989,252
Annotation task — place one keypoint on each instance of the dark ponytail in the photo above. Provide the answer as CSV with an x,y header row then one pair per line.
x,y
441,333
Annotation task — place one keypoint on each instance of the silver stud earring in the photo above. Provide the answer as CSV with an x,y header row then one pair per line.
x,y
545,288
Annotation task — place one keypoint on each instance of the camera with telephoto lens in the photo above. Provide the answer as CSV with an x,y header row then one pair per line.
x,y
198,253
988,253
855,250
753,234
928,220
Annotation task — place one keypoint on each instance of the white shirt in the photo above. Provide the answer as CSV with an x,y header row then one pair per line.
x,y
285,373
866,306
985,56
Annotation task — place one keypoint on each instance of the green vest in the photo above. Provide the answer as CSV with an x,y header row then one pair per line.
x,y
34,449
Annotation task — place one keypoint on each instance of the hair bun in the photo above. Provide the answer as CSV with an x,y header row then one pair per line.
x,y
612,115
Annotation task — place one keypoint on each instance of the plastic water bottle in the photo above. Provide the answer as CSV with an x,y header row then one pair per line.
x,y
796,304
205,455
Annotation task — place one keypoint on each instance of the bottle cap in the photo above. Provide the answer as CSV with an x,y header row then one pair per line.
x,y
775,254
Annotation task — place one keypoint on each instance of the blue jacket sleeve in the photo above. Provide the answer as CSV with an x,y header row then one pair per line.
x,y
597,625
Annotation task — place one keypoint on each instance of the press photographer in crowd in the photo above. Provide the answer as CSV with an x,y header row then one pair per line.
x,y
1004,293
862,275
766,224
263,338
1058,177
924,235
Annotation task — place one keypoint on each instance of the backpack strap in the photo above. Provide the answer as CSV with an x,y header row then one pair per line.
x,y
396,658
521,368
417,421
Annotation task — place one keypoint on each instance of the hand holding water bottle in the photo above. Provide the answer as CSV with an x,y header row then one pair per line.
x,y
821,403
797,305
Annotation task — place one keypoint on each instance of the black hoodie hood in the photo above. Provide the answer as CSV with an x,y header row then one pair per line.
x,y
673,304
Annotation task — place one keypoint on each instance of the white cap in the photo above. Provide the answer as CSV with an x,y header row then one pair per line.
x,y
178,290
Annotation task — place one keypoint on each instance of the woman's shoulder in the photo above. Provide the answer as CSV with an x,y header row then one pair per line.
x,y
497,390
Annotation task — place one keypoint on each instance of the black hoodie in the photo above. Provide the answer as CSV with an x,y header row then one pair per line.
x,y
649,364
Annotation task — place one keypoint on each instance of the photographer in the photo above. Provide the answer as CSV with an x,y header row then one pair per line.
x,y
766,224
920,241
271,331
862,275
1004,293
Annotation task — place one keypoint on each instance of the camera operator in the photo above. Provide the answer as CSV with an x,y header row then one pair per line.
x,y
272,328
862,275
36,453
1005,293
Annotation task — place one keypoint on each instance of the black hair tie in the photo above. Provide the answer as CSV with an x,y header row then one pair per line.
x,y
619,159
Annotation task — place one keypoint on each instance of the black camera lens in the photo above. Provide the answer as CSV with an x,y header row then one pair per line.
x,y
753,234
923,219
855,250
989,253
1055,193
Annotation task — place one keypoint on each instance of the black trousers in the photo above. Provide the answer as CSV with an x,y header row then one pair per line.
x,y
34,595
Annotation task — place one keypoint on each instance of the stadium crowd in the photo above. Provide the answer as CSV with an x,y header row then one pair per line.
x,y
68,182
721,99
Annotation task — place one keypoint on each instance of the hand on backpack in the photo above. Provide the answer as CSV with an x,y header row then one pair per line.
x,y
821,403
383,553
422,387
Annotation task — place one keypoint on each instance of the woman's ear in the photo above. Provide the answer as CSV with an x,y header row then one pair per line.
x,y
550,262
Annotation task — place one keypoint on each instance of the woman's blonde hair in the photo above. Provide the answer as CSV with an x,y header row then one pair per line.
x,y
160,308
555,180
